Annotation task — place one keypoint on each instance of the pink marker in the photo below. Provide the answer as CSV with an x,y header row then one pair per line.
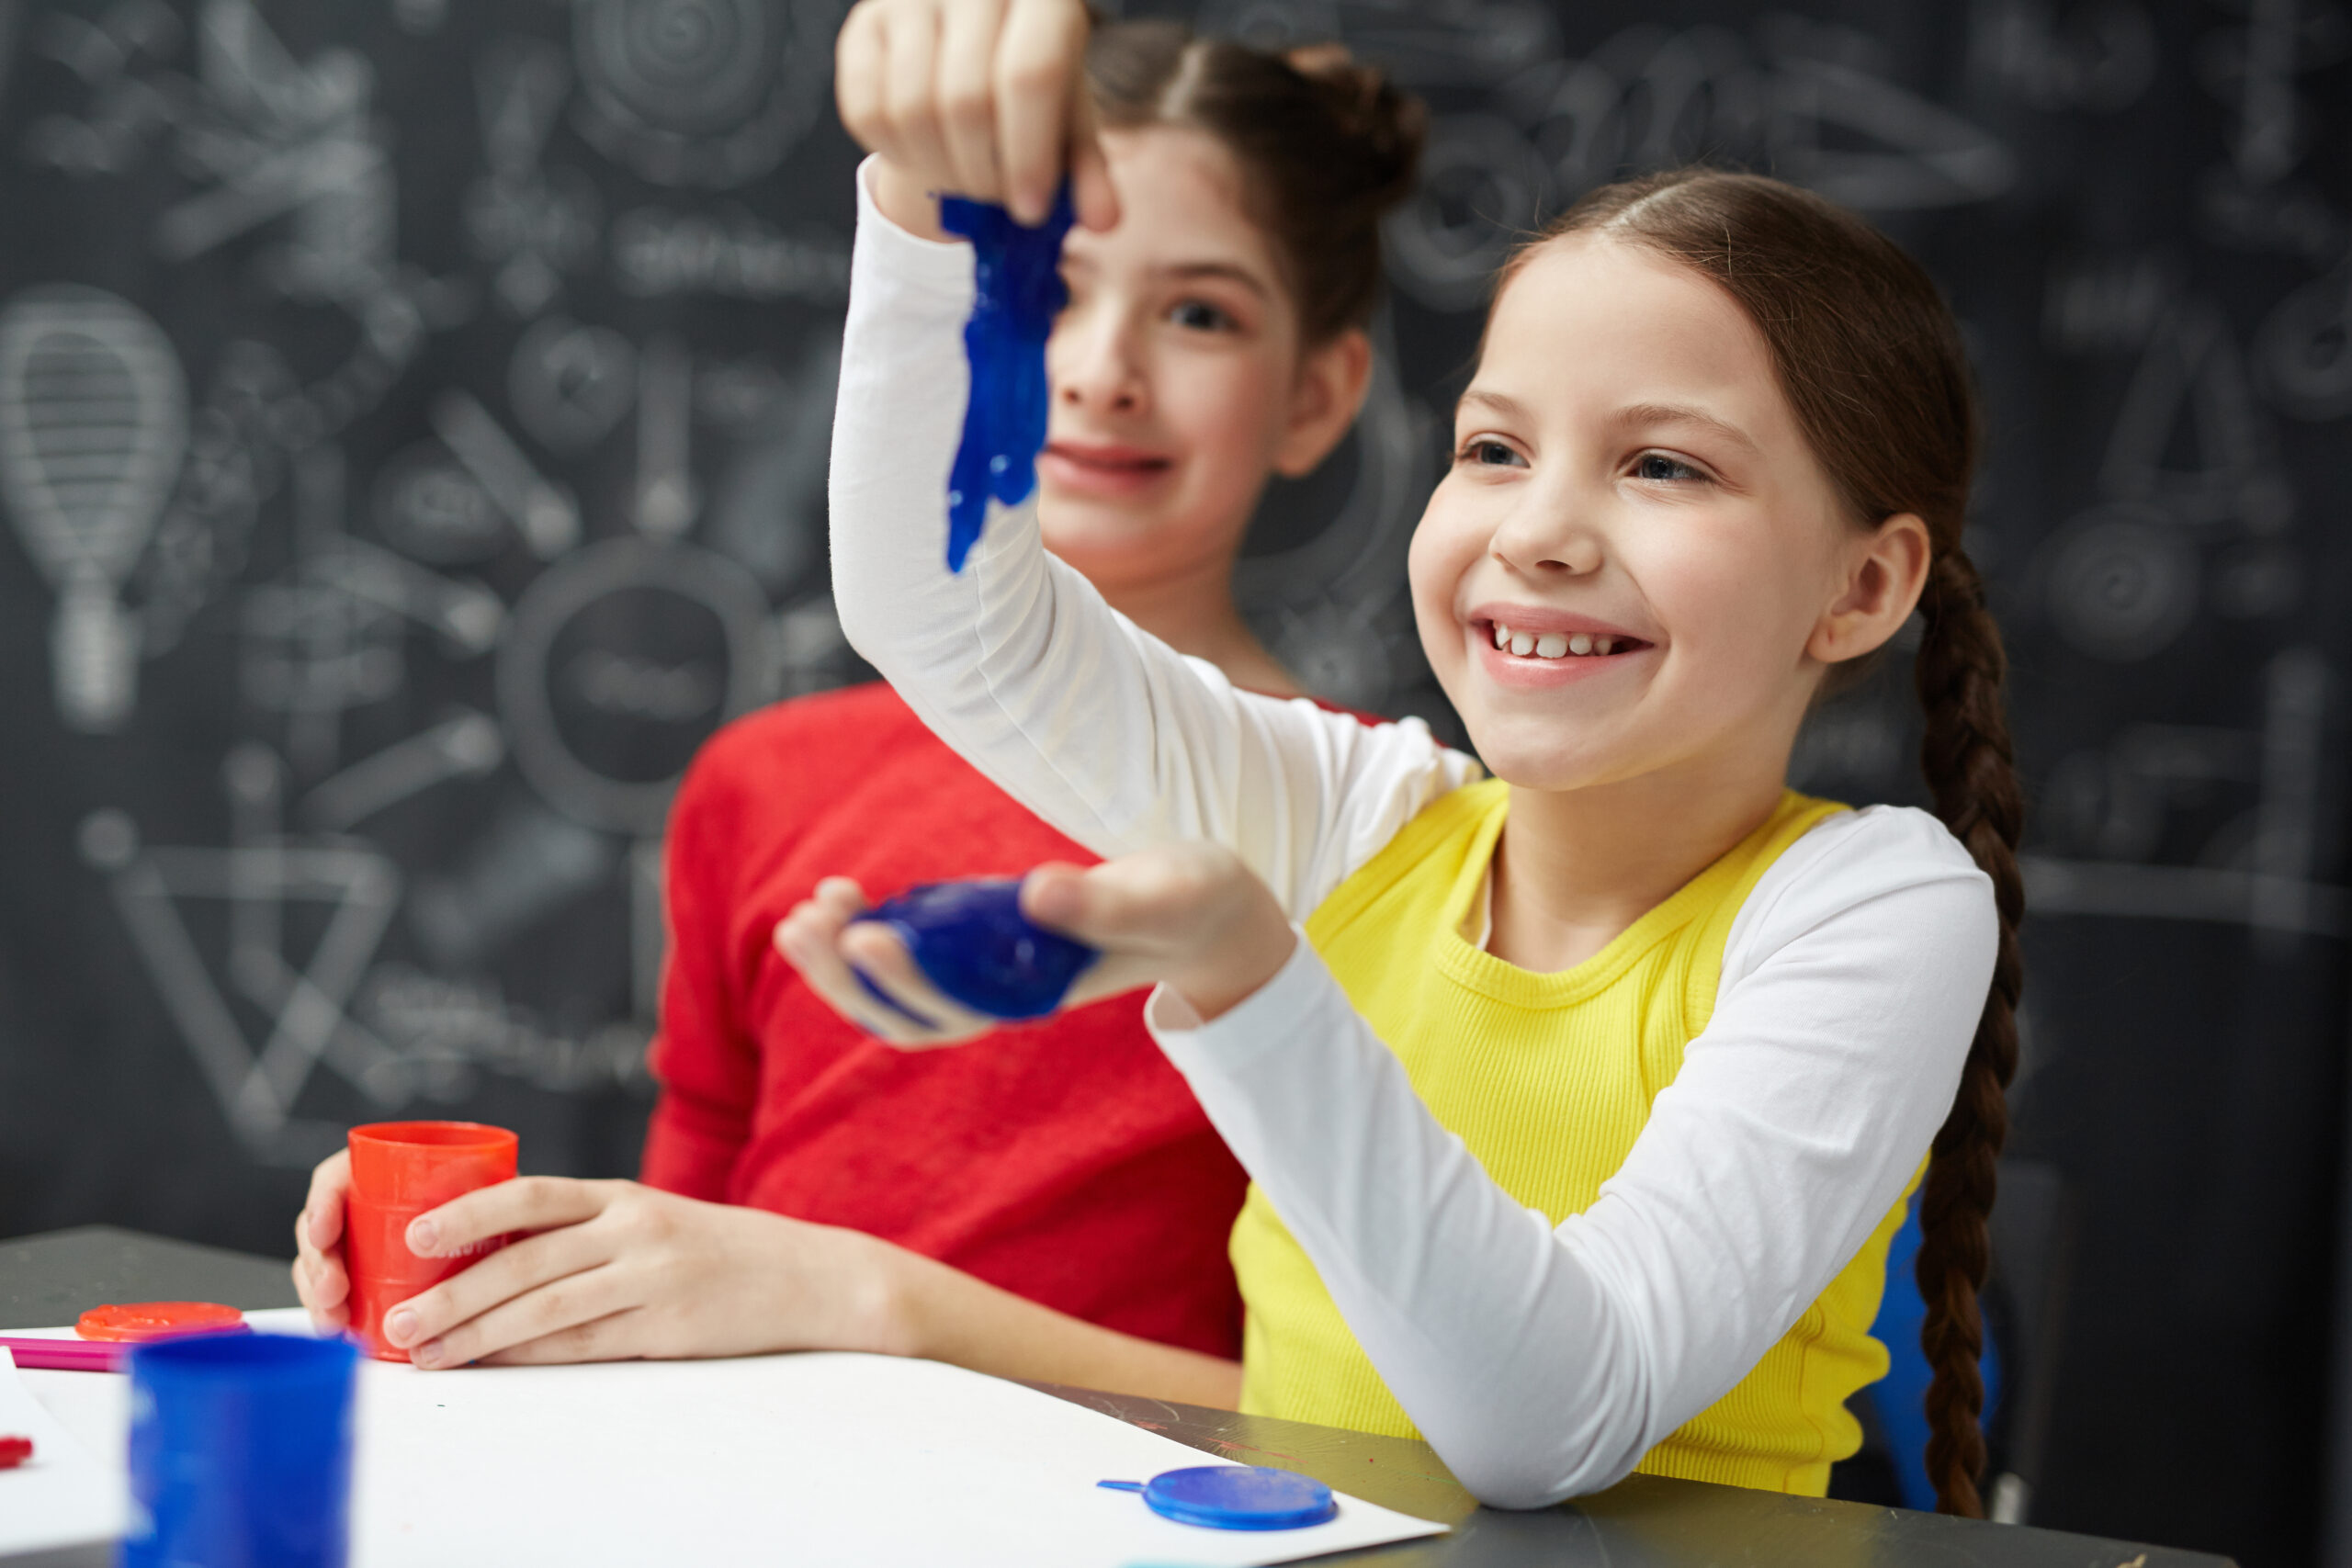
x,y
65,1355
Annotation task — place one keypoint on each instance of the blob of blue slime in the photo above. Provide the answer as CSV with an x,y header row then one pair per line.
x,y
971,940
1016,276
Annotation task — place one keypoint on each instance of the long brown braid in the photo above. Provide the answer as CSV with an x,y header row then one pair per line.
x,y
1872,364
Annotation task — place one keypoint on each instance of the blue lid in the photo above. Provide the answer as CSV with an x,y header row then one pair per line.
x,y
971,940
1239,1497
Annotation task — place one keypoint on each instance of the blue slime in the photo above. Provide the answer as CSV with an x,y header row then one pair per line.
x,y
1016,273
971,940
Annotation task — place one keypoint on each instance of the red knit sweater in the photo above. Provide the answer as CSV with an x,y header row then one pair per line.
x,y
1064,1160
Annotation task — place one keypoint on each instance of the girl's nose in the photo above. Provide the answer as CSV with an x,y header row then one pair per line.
x,y
1548,537
1092,366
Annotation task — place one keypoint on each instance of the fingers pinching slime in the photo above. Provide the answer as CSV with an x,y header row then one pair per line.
x,y
1016,275
971,940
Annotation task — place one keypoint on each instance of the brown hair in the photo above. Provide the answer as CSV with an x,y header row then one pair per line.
x,y
1871,360
1326,146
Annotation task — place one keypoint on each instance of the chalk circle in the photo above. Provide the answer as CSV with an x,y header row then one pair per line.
x,y
704,93
695,66
2122,584
571,384
1482,183
591,790
429,508
2303,352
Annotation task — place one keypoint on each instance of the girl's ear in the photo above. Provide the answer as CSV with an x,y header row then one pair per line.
x,y
1331,384
1886,570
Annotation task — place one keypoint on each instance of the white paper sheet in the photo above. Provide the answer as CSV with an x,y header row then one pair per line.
x,y
63,1495
811,1460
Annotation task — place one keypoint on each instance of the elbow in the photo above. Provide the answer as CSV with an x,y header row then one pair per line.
x,y
1535,1475
864,623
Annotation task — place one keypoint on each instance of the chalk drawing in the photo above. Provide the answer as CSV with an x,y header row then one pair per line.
x,y
127,112
1483,185
767,504
701,93
657,703
465,745
535,224
527,862
2122,583
2259,874
2100,57
420,17
428,507
93,427
257,1074
291,138
568,384
330,636
666,497
1812,103
2303,352
544,512
2191,381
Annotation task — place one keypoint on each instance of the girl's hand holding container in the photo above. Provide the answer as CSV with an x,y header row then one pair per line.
x,y
1189,915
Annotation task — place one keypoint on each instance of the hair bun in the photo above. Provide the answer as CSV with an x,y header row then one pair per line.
x,y
1371,109
1326,146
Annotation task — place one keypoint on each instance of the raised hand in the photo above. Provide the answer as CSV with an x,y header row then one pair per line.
x,y
983,98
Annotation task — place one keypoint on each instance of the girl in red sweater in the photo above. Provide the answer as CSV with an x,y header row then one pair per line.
x,y
1057,1207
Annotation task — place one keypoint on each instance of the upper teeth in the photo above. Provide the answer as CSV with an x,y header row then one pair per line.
x,y
1552,645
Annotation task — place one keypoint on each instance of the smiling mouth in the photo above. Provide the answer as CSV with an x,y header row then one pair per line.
x,y
1542,646
1108,462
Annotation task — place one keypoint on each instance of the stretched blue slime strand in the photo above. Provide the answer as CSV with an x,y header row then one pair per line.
x,y
1016,275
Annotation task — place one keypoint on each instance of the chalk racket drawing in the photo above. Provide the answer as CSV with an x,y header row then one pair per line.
x,y
92,426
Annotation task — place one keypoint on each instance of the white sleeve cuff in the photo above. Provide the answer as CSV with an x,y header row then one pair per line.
x,y
1301,991
909,258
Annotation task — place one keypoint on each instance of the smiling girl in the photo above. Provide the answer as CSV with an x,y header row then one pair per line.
x,y
1059,1207
1582,1109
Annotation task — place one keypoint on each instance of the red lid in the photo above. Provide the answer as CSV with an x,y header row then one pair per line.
x,y
13,1452
139,1321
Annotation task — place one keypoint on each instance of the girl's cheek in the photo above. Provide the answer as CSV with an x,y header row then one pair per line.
x,y
1446,544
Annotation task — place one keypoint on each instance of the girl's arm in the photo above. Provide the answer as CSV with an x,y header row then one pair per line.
x,y
1543,1361
612,1270
1016,661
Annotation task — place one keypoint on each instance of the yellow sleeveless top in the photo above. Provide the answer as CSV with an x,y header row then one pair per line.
x,y
1548,1078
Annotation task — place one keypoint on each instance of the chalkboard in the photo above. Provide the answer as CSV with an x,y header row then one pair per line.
x,y
412,429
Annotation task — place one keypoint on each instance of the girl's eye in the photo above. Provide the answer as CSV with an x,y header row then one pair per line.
x,y
1658,466
1200,316
1490,454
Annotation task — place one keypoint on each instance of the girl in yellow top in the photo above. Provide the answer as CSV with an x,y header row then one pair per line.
x,y
1580,1121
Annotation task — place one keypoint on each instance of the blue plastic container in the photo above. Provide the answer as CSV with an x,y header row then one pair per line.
x,y
241,1452
971,940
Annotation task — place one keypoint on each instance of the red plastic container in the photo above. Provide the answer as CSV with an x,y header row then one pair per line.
x,y
399,1170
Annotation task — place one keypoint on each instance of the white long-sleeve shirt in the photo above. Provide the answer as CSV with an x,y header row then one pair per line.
x,y
1540,1362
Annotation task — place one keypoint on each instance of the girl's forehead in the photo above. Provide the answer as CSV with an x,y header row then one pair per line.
x,y
1182,200
1587,313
